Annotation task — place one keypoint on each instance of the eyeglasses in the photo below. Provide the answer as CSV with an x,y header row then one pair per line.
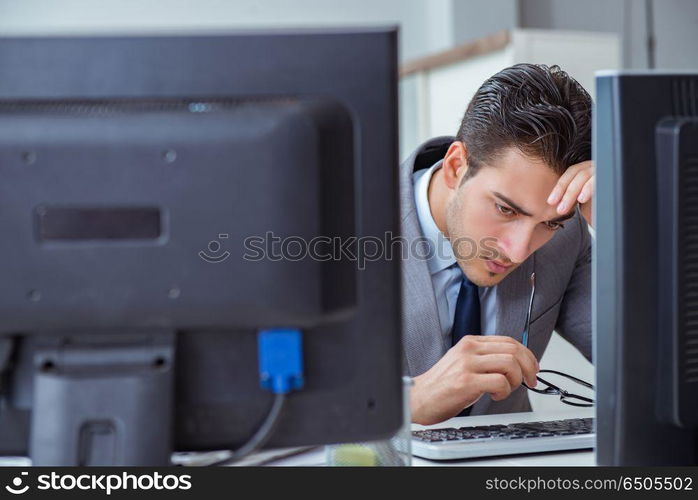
x,y
566,397
550,388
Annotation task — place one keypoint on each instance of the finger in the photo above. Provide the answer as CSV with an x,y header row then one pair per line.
x,y
493,339
496,348
587,191
529,366
586,210
526,359
565,179
563,182
495,384
573,190
506,364
528,363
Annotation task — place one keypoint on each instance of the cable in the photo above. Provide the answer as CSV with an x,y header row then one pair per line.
x,y
260,437
280,353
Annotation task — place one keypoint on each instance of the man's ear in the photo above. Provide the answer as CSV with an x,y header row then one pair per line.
x,y
455,164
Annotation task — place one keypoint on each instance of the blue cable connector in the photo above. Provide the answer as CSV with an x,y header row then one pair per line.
x,y
280,359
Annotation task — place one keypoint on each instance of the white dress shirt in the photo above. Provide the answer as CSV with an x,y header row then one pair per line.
x,y
445,277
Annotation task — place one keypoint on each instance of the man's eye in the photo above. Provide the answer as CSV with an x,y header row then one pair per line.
x,y
554,226
505,210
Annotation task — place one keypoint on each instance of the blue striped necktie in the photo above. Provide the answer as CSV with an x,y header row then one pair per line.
x,y
466,321
467,318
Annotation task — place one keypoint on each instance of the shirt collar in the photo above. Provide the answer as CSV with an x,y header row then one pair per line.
x,y
441,252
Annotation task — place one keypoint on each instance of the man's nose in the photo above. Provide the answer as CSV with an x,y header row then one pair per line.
x,y
518,243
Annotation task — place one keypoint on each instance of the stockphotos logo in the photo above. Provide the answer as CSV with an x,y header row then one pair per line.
x,y
17,487
106,483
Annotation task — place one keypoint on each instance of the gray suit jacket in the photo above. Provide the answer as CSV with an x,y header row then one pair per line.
x,y
562,302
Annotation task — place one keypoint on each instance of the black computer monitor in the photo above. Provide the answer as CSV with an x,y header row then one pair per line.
x,y
133,173
646,268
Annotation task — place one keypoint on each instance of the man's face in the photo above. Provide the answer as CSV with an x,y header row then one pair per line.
x,y
503,210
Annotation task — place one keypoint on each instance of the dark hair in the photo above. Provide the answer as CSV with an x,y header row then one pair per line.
x,y
541,110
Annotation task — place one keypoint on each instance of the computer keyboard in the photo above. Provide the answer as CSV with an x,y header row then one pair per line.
x,y
492,440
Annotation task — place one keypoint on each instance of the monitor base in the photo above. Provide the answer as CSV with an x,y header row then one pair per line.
x,y
103,399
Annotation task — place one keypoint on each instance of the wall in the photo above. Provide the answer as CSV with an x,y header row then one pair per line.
x,y
477,18
675,26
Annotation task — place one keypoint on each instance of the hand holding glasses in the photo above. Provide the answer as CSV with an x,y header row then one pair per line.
x,y
550,388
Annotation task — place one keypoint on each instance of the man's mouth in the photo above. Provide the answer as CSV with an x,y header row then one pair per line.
x,y
497,267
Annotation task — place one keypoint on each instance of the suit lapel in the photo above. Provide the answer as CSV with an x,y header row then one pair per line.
x,y
513,294
424,344
423,341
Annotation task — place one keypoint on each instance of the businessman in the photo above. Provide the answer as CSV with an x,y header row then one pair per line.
x,y
509,196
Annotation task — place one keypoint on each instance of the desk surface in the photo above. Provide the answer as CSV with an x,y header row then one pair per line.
x,y
316,457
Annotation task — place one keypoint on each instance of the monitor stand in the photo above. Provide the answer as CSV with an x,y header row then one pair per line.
x,y
104,398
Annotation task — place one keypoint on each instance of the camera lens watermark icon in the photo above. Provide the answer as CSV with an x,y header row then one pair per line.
x,y
214,254
16,488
